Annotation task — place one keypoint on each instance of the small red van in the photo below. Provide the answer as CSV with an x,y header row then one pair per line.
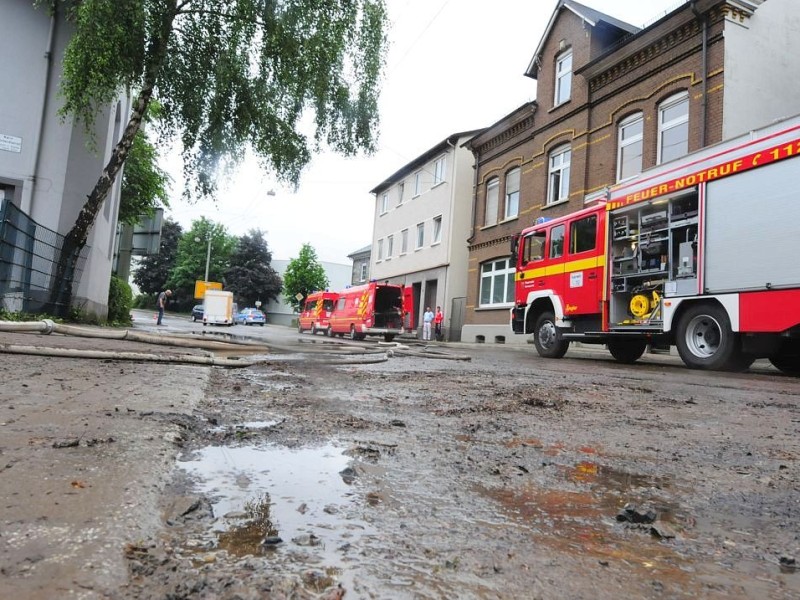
x,y
316,312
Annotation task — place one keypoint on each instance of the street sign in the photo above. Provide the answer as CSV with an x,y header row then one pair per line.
x,y
299,296
200,288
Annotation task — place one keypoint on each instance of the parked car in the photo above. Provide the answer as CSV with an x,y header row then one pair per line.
x,y
251,316
197,313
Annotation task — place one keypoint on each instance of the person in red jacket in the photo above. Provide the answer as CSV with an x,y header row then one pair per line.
x,y
437,324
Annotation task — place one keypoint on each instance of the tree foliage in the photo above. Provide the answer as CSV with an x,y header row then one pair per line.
x,y
153,271
303,275
250,276
190,263
229,74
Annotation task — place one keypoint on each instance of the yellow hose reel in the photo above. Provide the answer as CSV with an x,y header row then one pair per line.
x,y
642,305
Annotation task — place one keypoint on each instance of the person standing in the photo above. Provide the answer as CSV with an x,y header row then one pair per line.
x,y
437,324
427,319
162,304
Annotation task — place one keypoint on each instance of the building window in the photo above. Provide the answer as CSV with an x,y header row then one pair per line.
x,y
401,188
437,230
384,203
420,235
439,170
563,77
629,147
492,195
497,282
380,250
404,241
363,272
389,246
673,127
512,193
558,185
417,183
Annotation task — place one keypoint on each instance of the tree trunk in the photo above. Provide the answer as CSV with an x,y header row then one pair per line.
x,y
75,240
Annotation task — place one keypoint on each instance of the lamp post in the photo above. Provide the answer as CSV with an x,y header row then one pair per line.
x,y
208,254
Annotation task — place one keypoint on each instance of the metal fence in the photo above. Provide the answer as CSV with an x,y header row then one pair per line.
x,y
28,262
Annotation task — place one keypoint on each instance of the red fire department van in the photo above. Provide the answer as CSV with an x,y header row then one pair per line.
x,y
700,253
316,313
371,309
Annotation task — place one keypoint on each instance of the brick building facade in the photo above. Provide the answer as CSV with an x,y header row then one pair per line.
x,y
611,101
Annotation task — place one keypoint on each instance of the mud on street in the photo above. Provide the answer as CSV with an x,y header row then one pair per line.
x,y
505,476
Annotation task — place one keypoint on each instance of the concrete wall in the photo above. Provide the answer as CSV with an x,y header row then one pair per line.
x,y
47,160
761,65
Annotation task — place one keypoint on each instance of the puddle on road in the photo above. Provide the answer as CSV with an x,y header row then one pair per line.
x,y
300,495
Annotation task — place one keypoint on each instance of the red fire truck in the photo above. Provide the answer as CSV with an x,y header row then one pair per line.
x,y
316,312
703,254
371,309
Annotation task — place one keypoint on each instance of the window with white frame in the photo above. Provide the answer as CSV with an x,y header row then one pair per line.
x,y
629,147
417,183
380,250
401,189
673,127
563,77
512,194
497,282
389,246
492,196
404,241
363,272
439,168
420,235
437,230
384,202
558,175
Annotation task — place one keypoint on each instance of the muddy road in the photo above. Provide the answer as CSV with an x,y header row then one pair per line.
x,y
502,476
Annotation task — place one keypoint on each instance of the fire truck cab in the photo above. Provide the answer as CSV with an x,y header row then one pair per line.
x,y
698,253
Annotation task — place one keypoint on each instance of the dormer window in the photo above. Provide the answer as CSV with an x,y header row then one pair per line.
x,y
563,77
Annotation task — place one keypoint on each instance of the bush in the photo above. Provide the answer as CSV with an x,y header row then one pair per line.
x,y
120,301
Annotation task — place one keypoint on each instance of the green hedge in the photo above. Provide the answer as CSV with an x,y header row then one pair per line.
x,y
120,301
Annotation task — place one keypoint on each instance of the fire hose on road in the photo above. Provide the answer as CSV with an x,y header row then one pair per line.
x,y
338,353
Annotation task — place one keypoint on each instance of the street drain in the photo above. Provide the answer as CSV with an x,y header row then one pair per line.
x,y
303,497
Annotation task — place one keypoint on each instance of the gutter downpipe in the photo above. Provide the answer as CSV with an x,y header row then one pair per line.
x,y
704,67
48,57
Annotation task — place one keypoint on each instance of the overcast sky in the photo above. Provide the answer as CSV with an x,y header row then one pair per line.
x,y
452,66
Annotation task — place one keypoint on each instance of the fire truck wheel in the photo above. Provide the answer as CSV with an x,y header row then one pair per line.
x,y
547,338
388,337
626,351
705,340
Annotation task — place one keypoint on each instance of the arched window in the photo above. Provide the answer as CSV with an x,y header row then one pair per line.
x,y
629,146
492,197
673,127
512,194
558,174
